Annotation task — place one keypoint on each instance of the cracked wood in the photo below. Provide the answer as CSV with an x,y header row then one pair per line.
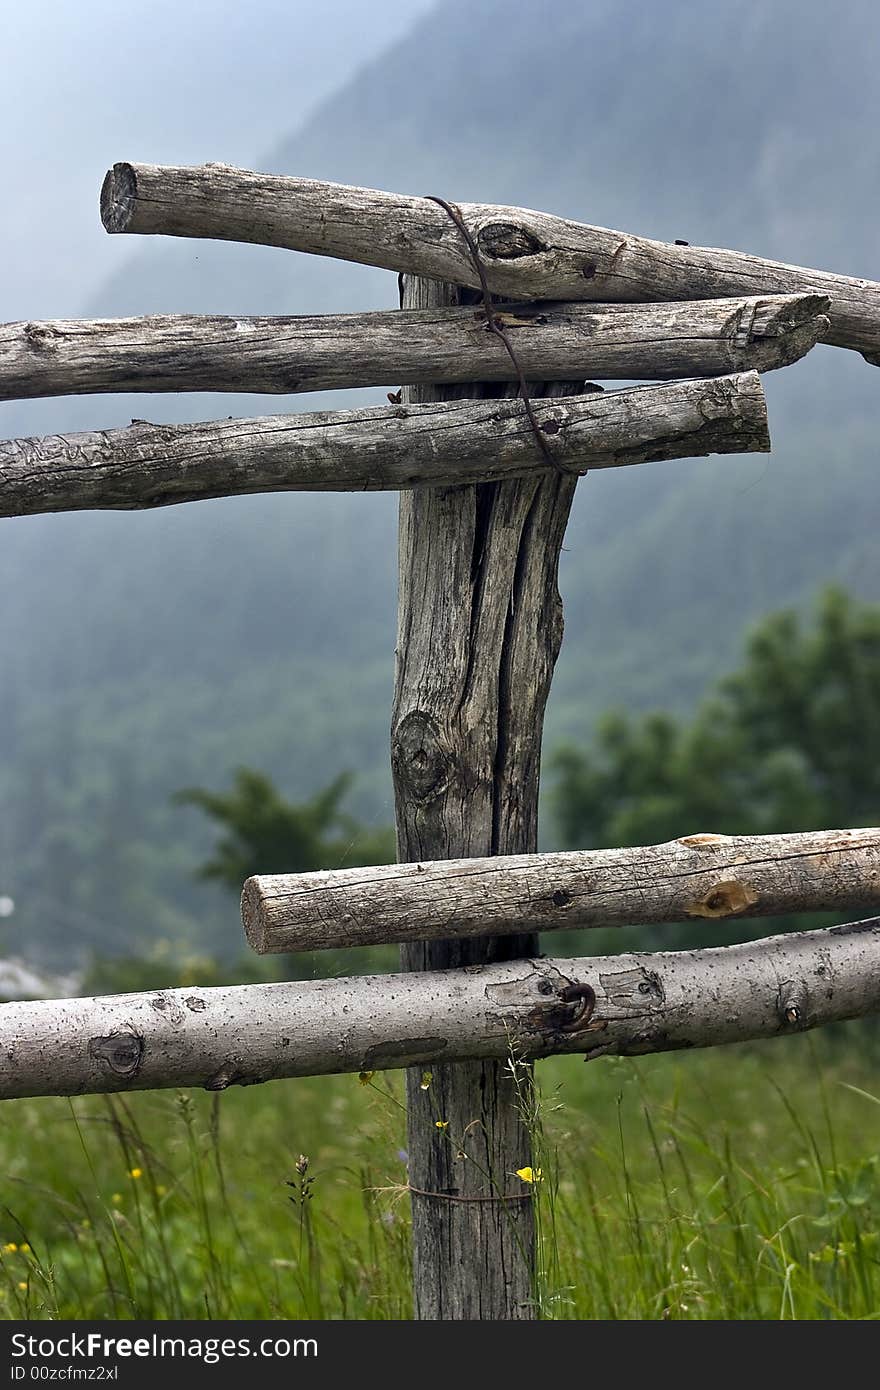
x,y
239,1035
185,352
479,629
527,254
394,447
716,877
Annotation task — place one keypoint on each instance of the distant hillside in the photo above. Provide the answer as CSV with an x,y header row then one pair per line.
x,y
142,652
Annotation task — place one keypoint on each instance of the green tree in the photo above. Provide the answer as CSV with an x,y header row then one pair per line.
x,y
791,741
262,833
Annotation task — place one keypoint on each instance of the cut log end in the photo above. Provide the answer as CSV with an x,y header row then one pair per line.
x,y
751,408
779,330
252,916
798,342
118,197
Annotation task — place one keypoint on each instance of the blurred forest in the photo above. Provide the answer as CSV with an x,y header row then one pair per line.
x,y
144,654
789,741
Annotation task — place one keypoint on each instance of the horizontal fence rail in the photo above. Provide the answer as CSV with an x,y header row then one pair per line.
x,y
700,876
526,254
383,447
553,342
627,1004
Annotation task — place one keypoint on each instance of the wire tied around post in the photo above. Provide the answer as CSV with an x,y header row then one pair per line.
x,y
495,326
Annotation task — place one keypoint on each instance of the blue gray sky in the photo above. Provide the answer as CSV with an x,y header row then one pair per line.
x,y
88,82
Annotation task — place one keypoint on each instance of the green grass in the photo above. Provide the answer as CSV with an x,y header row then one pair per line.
x,y
740,1183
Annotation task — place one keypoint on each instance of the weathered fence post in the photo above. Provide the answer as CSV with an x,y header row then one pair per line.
x,y
479,628
480,625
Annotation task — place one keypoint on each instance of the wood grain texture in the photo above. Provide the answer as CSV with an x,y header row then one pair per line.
x,y
479,629
527,254
238,1035
716,877
381,447
190,352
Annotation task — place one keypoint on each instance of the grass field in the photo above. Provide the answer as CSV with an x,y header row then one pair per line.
x,y
739,1183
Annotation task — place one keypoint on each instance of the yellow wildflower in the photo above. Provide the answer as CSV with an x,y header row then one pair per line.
x,y
136,1173
442,1124
530,1174
116,1198
10,1248
25,1249
22,1285
365,1077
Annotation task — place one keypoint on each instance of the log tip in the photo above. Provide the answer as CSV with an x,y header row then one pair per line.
x,y
794,325
253,918
802,307
118,197
751,408
734,411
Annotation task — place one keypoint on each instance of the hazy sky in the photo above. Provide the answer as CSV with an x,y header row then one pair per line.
x,y
88,82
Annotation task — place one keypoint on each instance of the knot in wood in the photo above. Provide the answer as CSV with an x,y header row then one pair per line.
x,y
508,241
42,337
715,404
422,766
122,1053
729,898
792,1004
639,989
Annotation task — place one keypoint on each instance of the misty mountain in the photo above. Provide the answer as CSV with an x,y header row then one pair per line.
x,y
145,652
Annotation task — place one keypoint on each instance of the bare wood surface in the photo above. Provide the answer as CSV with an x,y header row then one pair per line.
x,y
479,629
393,447
645,1002
527,254
191,352
716,877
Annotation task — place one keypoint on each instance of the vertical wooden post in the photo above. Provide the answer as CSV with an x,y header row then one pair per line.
x,y
479,629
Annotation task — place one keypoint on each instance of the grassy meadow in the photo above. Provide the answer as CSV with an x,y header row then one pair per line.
x,y
739,1183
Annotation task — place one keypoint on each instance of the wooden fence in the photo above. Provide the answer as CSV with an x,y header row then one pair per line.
x,y
486,466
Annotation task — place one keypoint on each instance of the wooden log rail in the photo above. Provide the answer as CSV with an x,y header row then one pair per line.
x,y
526,254
383,447
626,1004
564,342
716,877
